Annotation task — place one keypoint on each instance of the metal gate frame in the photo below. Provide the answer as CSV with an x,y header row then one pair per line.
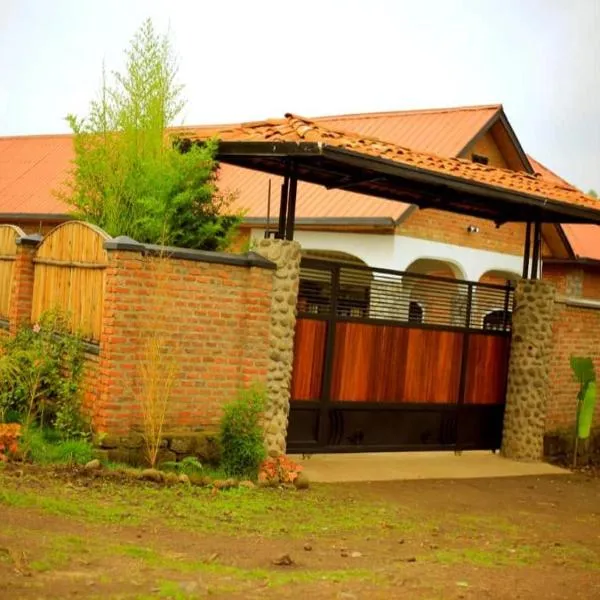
x,y
320,424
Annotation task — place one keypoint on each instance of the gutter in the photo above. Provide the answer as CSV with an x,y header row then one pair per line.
x,y
584,262
332,221
34,217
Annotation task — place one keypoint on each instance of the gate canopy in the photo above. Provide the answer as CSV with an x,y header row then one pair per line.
x,y
299,149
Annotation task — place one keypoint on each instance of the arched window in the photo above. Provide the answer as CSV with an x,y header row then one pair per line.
x,y
497,320
415,312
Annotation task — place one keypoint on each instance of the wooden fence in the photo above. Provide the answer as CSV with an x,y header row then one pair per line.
x,y
8,250
69,275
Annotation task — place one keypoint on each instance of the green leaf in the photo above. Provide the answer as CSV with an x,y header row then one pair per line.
x,y
583,369
586,412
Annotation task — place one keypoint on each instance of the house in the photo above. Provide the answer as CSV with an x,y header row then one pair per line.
x,y
362,230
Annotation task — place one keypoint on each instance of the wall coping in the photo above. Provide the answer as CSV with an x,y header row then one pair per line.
x,y
248,259
30,240
580,302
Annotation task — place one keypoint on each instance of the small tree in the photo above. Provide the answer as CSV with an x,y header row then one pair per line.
x,y
129,176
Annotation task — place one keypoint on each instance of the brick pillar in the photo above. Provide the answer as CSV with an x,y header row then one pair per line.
x,y
526,397
21,294
286,256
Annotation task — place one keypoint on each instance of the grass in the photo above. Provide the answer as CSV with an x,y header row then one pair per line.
x,y
496,557
270,512
44,448
152,558
165,560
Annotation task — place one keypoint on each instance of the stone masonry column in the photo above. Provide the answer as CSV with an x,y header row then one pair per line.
x,y
526,397
286,256
21,293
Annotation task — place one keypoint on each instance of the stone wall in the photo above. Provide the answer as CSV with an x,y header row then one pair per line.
x,y
526,399
286,256
130,449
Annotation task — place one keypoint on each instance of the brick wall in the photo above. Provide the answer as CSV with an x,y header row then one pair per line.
x,y
213,317
576,330
91,386
450,228
212,310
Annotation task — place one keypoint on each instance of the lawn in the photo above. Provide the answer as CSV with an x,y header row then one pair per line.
x,y
63,534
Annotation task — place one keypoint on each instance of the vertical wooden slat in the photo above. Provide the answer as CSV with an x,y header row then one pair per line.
x,y
72,287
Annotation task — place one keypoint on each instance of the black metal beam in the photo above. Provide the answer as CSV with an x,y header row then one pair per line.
x,y
537,239
283,201
504,204
527,250
291,214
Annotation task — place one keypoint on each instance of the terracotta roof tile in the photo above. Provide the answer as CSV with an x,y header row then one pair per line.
x,y
298,129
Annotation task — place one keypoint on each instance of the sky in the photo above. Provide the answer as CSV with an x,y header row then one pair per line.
x,y
246,60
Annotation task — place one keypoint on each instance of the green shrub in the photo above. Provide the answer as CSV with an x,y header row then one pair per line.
x,y
241,435
46,365
43,446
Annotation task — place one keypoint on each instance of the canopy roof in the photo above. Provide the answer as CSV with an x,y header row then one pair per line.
x,y
367,165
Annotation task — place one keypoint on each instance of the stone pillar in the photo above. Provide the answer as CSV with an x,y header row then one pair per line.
x,y
526,397
21,293
286,256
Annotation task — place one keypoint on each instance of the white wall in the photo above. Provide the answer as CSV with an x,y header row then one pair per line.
x,y
387,251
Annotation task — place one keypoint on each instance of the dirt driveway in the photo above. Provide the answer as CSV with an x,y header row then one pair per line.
x,y
64,535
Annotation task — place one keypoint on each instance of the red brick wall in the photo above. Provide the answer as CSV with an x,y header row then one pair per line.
x,y
215,319
591,283
576,331
91,386
450,228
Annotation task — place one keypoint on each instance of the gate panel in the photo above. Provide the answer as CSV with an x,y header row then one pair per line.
x,y
309,355
387,363
487,369
386,360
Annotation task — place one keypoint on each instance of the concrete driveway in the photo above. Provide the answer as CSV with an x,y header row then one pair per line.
x,y
390,466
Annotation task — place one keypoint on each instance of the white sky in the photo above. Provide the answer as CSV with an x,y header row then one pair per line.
x,y
251,59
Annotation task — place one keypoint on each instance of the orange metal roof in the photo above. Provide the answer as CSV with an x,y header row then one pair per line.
x,y
30,169
444,131
298,129
584,239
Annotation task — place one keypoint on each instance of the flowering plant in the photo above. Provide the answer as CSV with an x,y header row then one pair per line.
x,y
9,434
279,470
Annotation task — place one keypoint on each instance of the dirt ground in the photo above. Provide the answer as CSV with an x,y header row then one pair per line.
x,y
64,535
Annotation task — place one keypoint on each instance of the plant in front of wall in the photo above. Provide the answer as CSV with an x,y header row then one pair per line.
x,y
44,388
157,373
585,373
241,434
280,469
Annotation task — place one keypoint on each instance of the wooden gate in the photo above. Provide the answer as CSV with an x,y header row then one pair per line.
x,y
388,360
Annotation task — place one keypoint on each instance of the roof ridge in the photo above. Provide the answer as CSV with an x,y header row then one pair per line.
x,y
413,111
376,140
